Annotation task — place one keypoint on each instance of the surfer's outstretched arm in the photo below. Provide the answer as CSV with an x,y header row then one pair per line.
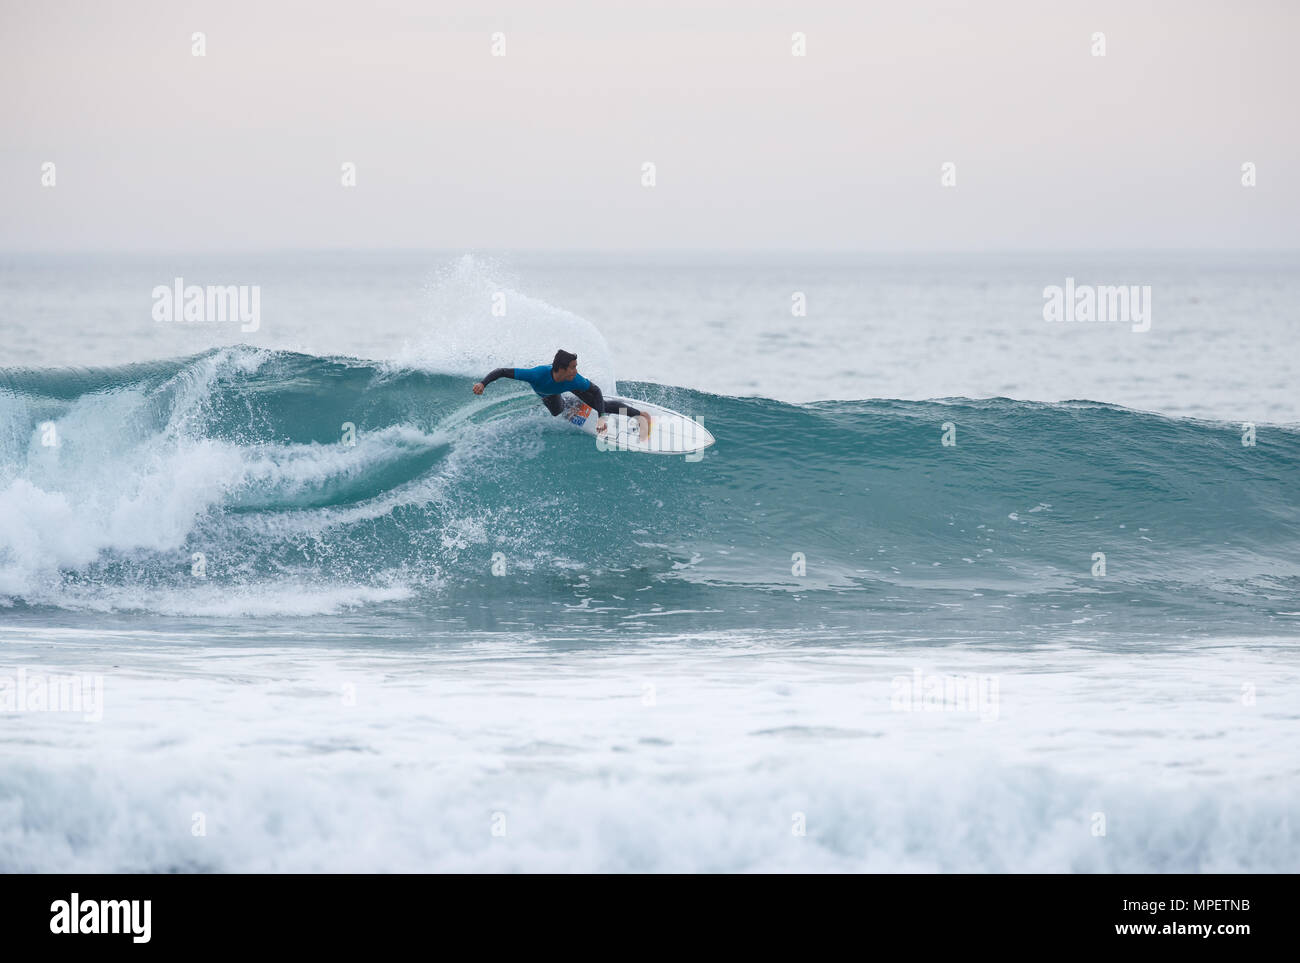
x,y
493,375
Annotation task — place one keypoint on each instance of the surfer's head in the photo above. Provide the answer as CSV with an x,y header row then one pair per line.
x,y
565,366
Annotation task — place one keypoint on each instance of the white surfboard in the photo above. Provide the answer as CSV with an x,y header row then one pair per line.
x,y
671,433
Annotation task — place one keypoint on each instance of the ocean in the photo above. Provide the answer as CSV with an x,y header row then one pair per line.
x,y
957,589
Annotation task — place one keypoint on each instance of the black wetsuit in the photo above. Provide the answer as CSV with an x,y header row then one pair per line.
x,y
590,395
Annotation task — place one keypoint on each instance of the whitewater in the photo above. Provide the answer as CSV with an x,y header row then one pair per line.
x,y
347,616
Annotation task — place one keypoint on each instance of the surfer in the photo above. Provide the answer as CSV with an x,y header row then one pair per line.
x,y
551,380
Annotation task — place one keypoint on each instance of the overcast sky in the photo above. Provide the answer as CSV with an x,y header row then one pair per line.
x,y
457,149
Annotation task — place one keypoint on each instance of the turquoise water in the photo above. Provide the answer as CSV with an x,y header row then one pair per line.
x,y
455,635
853,514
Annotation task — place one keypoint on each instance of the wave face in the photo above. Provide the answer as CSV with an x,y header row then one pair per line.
x,y
223,484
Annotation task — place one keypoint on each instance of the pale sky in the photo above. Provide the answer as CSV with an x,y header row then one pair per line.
x,y
755,149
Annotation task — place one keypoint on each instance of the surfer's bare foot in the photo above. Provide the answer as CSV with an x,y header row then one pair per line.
x,y
643,421
601,426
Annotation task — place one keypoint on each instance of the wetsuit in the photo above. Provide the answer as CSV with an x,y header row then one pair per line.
x,y
542,382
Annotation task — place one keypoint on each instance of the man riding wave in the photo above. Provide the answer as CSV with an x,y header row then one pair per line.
x,y
561,375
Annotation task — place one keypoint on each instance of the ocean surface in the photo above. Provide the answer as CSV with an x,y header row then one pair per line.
x,y
957,589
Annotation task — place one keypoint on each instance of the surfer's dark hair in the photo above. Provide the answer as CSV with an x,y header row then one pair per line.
x,y
563,359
